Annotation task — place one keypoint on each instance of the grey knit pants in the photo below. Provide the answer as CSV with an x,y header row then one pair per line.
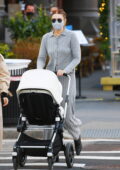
x,y
72,123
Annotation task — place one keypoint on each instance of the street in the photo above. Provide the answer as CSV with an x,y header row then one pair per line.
x,y
96,155
100,139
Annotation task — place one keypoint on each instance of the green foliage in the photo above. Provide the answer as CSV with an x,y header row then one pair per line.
x,y
103,6
104,47
104,18
6,51
118,12
22,28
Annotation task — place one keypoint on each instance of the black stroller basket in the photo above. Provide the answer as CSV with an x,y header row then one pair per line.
x,y
39,108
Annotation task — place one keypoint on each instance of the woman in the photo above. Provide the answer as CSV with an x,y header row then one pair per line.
x,y
4,85
63,49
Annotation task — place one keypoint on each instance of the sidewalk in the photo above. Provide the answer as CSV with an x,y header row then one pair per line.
x,y
92,89
99,111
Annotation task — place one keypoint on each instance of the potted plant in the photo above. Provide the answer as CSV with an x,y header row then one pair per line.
x,y
6,51
27,34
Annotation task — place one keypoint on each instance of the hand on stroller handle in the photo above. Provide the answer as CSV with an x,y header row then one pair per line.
x,y
64,74
69,81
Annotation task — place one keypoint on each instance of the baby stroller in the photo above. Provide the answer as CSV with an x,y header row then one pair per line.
x,y
39,96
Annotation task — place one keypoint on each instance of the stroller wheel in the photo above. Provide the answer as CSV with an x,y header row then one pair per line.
x,y
22,160
15,163
69,154
50,163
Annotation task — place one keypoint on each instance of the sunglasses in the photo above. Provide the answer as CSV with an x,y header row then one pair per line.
x,y
58,19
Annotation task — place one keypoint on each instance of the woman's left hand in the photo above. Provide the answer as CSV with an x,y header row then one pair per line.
x,y
60,72
5,101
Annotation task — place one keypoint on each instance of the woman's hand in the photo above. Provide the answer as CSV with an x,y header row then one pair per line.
x,y
5,101
60,72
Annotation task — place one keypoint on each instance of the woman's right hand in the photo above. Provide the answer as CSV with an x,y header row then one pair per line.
x,y
60,72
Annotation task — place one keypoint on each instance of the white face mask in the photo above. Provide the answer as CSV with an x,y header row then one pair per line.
x,y
58,25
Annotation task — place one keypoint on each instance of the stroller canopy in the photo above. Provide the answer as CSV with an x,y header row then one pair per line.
x,y
41,79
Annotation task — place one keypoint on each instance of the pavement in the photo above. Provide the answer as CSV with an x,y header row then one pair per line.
x,y
98,110
92,90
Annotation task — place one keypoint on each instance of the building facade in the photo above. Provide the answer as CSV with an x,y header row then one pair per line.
x,y
83,14
2,16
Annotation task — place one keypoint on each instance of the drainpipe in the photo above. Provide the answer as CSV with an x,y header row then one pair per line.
x,y
2,15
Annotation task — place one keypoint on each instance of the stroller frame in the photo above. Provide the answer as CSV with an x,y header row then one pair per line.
x,y
22,147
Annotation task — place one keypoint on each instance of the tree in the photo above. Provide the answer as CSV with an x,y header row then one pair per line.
x,y
103,6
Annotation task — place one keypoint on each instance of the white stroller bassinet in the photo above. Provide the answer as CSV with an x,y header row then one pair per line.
x,y
41,79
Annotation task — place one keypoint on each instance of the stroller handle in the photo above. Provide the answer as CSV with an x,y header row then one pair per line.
x,y
68,91
69,81
65,74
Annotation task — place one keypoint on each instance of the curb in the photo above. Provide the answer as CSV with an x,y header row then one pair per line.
x,y
86,133
116,99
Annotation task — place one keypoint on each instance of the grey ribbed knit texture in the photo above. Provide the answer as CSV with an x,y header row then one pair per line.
x,y
63,51
64,54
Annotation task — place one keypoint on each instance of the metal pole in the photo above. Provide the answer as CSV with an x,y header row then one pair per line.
x,y
79,96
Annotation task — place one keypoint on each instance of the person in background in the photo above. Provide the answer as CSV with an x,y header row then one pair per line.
x,y
4,93
30,11
63,49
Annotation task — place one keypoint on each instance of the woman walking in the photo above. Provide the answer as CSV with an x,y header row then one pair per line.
x,y
64,53
4,85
